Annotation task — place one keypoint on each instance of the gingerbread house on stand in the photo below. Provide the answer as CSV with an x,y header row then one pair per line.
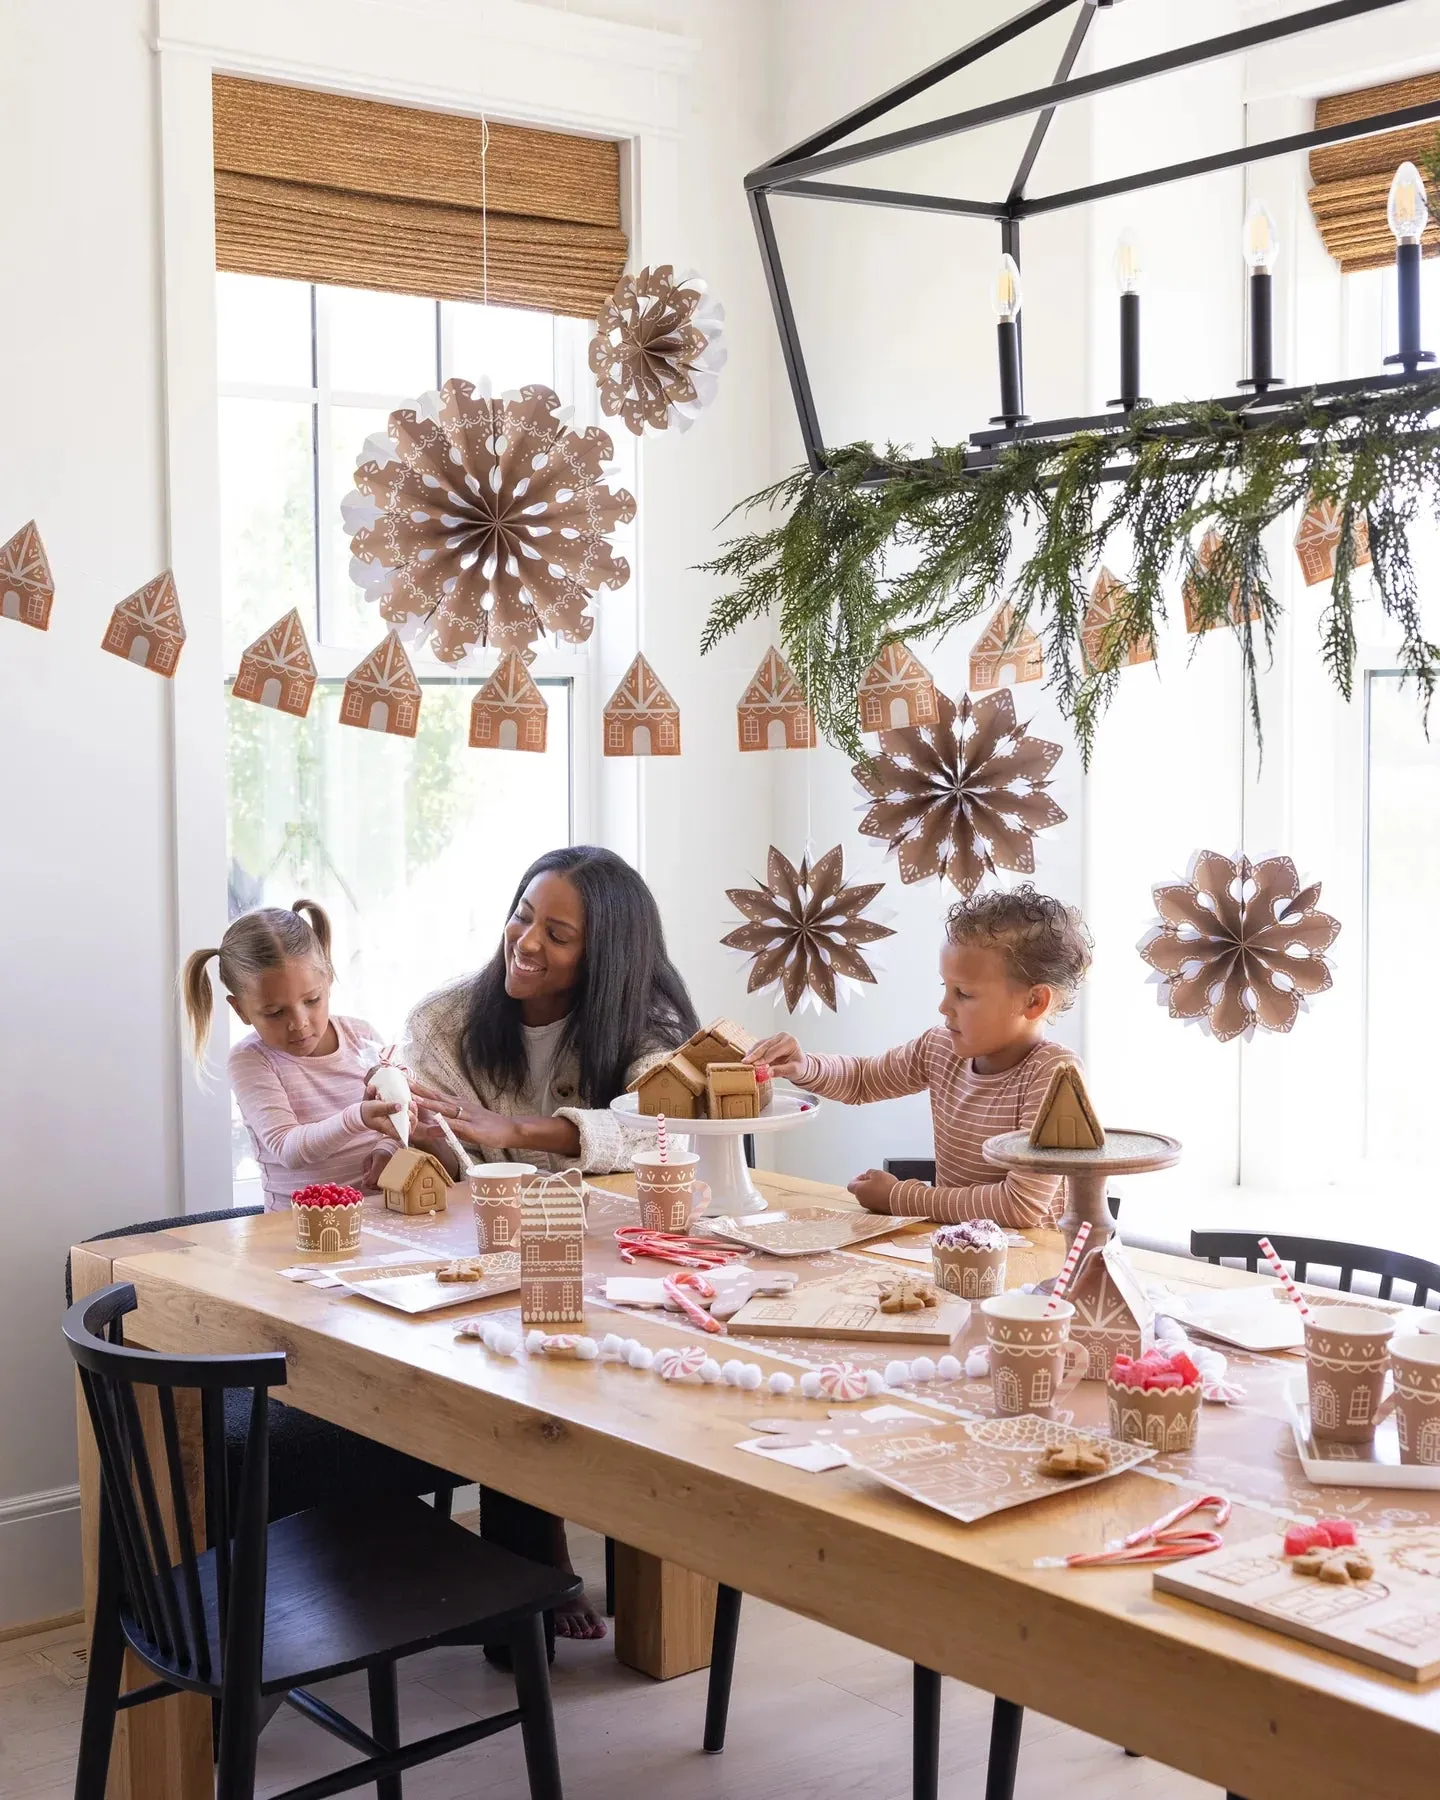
x,y
509,711
680,1087
640,717
1003,651
736,1090
552,1251
1318,539
27,588
773,713
897,692
278,670
1066,1119
674,1087
1112,1315
381,693
147,627
1098,615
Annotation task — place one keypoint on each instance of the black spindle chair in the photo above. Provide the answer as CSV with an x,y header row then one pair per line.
x,y
268,1609
1306,1254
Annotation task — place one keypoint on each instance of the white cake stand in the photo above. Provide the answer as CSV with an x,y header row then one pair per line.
x,y
719,1143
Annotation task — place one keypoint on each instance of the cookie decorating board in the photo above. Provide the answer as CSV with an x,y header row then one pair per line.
x,y
848,1307
1391,1623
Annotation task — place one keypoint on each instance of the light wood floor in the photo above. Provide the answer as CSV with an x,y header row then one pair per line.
x,y
813,1714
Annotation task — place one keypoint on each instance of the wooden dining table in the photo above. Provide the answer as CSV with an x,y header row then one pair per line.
x,y
655,1466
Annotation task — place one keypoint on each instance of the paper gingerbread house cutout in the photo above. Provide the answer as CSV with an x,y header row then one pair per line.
x,y
552,1252
1209,544
381,693
278,670
1066,1119
1001,647
147,628
1098,615
27,588
509,711
1112,1315
674,1087
1318,539
722,1040
413,1181
897,692
773,713
640,717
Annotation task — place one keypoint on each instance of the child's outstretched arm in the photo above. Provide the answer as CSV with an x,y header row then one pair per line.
x,y
853,1080
1023,1202
266,1109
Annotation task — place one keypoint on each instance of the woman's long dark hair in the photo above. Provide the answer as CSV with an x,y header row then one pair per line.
x,y
630,997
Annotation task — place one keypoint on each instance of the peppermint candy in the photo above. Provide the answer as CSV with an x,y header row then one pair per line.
x,y
681,1365
842,1381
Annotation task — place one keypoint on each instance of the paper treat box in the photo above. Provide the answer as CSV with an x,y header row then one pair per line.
x,y
773,713
1000,647
147,628
415,1182
898,692
640,717
509,712
1112,1316
278,670
27,588
552,1251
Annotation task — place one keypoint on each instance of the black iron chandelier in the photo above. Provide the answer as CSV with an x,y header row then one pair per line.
x,y
793,173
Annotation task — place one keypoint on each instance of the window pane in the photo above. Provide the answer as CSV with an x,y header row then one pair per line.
x,y
1402,879
348,619
513,347
380,343
267,517
263,331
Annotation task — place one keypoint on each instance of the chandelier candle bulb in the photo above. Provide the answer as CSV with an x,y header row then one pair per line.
x,y
1008,300
1262,246
1409,213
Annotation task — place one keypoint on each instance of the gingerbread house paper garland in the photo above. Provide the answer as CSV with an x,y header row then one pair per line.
x,y
897,691
1001,647
1112,1315
381,693
773,713
509,712
1318,539
640,717
552,1252
27,588
1209,548
277,670
1066,1119
147,629
1098,615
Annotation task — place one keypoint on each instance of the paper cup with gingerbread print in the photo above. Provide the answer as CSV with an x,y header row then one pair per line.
x,y
665,1188
1347,1353
495,1190
968,1260
1415,1364
1033,1364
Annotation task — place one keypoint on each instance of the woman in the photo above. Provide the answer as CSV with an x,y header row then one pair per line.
x,y
580,998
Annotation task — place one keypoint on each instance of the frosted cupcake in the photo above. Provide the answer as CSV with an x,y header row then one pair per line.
x,y
969,1258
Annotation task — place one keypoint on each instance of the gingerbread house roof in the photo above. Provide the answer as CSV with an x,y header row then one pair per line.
x,y
386,672
25,567
1319,537
1003,642
734,1037
641,695
405,1165
678,1065
154,610
1098,615
512,687
1066,1100
896,670
284,649
773,687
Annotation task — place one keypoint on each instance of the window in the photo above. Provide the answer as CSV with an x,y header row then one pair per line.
x,y
413,844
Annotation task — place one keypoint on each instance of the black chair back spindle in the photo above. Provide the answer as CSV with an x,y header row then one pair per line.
x,y
1306,1253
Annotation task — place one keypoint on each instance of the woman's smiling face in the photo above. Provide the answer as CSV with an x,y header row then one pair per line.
x,y
545,940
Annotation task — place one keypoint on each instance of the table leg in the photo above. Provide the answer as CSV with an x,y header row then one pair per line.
x,y
664,1615
162,1751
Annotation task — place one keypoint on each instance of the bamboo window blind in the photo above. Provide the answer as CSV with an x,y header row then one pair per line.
x,y
1352,181
323,187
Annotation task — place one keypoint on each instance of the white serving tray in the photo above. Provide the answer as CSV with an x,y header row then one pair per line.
x,y
413,1288
1376,1464
1249,1318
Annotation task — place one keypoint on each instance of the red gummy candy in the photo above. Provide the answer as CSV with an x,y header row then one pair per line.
x,y
1183,1366
1300,1538
1164,1379
1341,1532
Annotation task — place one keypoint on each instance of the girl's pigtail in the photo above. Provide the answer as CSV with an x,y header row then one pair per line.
x,y
199,1000
316,917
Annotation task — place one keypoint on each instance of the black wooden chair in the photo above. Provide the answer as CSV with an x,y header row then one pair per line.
x,y
312,1462
269,1609
1306,1254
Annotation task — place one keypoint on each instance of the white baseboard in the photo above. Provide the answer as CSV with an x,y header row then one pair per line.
x,y
40,1556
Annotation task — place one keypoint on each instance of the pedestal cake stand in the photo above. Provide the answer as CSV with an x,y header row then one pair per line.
x,y
1085,1171
719,1143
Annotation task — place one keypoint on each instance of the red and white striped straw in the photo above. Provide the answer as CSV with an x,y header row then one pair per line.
x,y
1286,1281
662,1139
1062,1280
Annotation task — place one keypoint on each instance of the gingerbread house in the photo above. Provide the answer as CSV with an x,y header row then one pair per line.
x,y
733,1090
1066,1119
509,711
1112,1315
147,627
413,1181
1098,615
674,1087
1209,545
1318,539
722,1040
278,670
552,1252
640,717
1005,650
381,693
27,588
773,713
897,692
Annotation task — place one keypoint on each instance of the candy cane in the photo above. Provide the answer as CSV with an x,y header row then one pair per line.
x,y
1062,1280
1155,1543
674,1247
697,1315
1285,1278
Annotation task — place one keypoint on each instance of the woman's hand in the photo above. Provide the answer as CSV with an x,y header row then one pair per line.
x,y
475,1124
781,1054
873,1190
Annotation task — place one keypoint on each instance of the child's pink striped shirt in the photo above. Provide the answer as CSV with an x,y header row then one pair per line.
x,y
966,1109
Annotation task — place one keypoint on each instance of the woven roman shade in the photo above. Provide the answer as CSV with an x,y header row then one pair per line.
x,y
322,187
1352,181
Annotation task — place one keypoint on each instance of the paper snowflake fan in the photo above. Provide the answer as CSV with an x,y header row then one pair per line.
x,y
804,928
962,797
479,520
1239,944
656,350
